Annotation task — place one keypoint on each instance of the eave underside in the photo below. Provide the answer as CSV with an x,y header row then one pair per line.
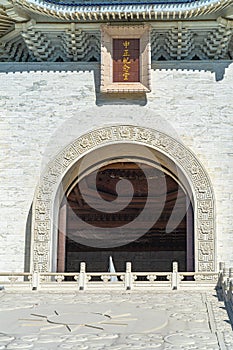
x,y
72,42
95,11
6,22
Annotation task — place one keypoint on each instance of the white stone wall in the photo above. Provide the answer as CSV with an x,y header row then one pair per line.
x,y
41,112
201,111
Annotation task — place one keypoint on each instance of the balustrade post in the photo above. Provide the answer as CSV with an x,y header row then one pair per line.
x,y
128,276
220,277
225,282
225,274
221,266
229,290
175,276
229,285
231,273
82,276
35,280
230,293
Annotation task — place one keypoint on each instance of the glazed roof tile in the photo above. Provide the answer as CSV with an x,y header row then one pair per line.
x,y
117,2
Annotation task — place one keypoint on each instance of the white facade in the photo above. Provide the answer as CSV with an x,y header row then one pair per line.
x,y
42,112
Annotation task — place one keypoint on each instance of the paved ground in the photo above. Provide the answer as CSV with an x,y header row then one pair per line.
x,y
86,320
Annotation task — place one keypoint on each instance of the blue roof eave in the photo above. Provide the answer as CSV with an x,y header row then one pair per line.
x,y
108,3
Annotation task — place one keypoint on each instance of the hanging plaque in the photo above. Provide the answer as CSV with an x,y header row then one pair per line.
x,y
126,60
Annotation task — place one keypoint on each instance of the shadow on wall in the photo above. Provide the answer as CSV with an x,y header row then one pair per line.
x,y
216,67
27,247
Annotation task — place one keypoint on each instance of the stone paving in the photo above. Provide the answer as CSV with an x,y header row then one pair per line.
x,y
114,320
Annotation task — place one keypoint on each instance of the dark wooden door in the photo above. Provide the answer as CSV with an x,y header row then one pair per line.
x,y
153,251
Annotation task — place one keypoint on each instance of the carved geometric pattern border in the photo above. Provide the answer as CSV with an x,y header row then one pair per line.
x,y
202,190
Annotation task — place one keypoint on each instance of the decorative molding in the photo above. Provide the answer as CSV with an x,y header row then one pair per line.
x,y
43,206
79,45
38,44
183,43
217,42
179,42
15,50
69,45
71,42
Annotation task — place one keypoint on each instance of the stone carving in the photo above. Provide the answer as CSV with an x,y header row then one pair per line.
x,y
206,230
204,204
125,132
54,171
207,278
151,278
205,266
41,229
205,248
88,278
13,279
42,212
76,277
41,256
180,152
201,188
70,154
102,135
84,143
145,135
59,278
40,249
105,278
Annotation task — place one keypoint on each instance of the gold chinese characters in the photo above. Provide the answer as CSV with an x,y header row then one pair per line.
x,y
126,60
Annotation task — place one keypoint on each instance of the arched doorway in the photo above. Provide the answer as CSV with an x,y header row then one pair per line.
x,y
132,141
149,244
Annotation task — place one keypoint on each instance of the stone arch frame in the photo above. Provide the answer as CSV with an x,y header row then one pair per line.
x,y
43,211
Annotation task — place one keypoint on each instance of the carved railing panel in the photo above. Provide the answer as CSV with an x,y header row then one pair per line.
x,y
124,280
